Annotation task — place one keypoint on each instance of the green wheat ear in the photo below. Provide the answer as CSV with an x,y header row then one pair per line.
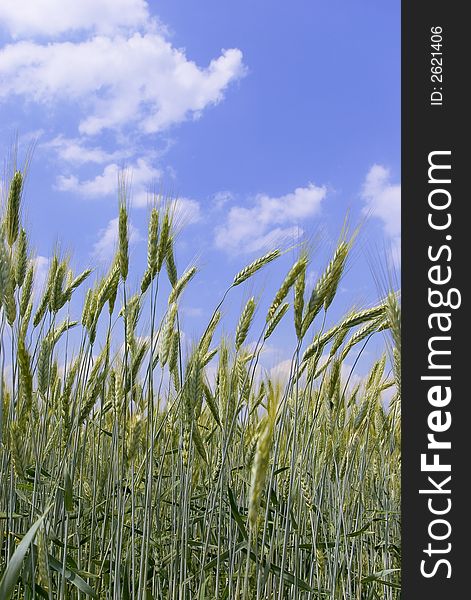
x,y
170,264
273,323
163,244
4,268
260,464
123,241
245,321
27,290
255,266
296,270
21,258
299,288
181,284
152,243
12,218
9,298
326,286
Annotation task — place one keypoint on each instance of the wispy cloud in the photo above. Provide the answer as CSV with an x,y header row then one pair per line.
x,y
282,370
382,199
77,152
187,210
193,311
222,198
143,180
41,267
142,176
105,247
268,220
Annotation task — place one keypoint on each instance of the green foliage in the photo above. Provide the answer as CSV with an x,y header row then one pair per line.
x,y
166,481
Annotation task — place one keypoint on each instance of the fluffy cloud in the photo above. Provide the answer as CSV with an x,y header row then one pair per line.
x,y
75,152
222,198
41,267
269,220
142,175
53,17
382,199
117,81
281,371
107,64
187,210
105,247
142,178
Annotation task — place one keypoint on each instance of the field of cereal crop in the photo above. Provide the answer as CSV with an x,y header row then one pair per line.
x,y
129,469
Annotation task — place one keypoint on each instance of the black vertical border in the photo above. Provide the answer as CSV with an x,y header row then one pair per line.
x,y
427,128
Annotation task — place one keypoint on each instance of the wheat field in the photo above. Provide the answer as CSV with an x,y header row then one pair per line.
x,y
136,464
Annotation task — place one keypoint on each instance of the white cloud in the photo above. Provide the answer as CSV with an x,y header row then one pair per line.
x,y
347,374
383,200
193,311
187,210
105,247
53,17
142,176
311,278
41,267
387,396
221,198
136,81
282,370
109,65
269,220
74,151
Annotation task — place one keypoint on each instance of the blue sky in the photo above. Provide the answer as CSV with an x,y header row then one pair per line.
x,y
269,120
